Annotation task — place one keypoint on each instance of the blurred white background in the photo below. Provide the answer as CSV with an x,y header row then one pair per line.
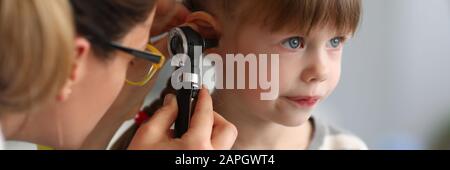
x,y
394,91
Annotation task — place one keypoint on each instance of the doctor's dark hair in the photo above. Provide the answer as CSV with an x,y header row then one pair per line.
x,y
108,20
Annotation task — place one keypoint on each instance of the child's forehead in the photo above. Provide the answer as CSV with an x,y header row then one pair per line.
x,y
319,30
324,29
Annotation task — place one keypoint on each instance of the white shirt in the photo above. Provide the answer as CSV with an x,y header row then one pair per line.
x,y
327,137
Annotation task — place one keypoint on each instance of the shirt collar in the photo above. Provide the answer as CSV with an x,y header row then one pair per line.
x,y
319,133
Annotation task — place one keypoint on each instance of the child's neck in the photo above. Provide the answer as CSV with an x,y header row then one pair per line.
x,y
258,134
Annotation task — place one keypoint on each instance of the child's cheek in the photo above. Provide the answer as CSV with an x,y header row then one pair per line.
x,y
289,76
334,76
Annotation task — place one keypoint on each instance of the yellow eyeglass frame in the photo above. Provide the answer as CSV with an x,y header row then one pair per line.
x,y
153,70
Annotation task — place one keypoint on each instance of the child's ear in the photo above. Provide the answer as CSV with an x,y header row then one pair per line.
x,y
78,67
204,23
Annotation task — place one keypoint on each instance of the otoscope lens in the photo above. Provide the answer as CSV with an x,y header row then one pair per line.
x,y
177,45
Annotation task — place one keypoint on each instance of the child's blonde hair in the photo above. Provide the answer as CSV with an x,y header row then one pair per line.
x,y
36,50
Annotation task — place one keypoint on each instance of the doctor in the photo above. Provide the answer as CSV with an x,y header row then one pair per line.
x,y
65,64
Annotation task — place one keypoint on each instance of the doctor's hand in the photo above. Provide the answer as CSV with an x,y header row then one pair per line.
x,y
208,130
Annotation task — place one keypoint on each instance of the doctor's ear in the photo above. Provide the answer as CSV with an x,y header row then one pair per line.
x,y
78,68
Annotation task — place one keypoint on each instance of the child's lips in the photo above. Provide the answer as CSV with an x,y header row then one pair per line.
x,y
305,101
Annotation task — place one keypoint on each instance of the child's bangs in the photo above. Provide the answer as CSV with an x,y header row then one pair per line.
x,y
306,15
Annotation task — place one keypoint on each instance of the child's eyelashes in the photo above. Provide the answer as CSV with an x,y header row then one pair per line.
x,y
336,42
299,43
293,43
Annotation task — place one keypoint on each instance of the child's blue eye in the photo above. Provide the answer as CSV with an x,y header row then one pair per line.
x,y
335,42
294,43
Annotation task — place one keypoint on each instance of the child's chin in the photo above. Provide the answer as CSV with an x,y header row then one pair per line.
x,y
293,120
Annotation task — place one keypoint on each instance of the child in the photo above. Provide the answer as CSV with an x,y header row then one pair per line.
x,y
308,35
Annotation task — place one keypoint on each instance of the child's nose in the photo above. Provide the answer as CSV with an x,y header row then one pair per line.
x,y
316,70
